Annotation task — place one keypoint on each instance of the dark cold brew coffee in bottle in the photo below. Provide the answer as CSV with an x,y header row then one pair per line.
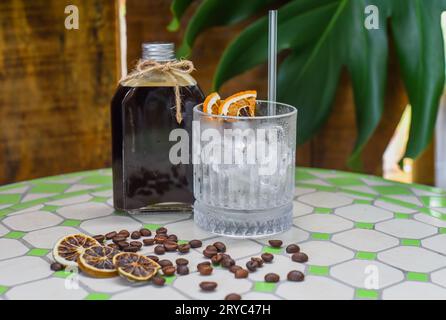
x,y
144,113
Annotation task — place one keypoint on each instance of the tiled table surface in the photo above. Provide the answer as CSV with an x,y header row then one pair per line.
x,y
367,238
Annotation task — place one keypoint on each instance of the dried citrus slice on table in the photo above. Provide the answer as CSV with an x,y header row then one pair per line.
x,y
239,104
212,103
68,249
97,261
135,267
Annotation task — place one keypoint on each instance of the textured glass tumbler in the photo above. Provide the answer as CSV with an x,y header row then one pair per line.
x,y
244,171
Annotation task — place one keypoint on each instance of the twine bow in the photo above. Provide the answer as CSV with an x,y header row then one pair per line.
x,y
168,68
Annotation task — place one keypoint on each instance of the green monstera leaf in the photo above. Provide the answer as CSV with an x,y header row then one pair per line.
x,y
325,36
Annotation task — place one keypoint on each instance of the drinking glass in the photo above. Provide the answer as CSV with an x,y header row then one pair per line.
x,y
244,171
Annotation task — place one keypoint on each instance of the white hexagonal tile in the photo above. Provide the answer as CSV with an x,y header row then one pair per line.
x,y
71,200
10,248
47,289
294,235
315,288
3,230
237,248
299,191
393,207
35,196
324,253
414,291
110,285
356,272
150,292
187,230
226,284
325,200
110,223
413,259
436,243
439,277
32,221
85,211
30,209
300,209
407,198
80,187
430,220
364,189
318,182
259,296
325,223
364,213
365,240
163,218
47,238
23,269
404,228
106,193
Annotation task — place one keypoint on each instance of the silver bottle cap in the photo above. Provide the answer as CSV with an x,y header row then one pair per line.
x,y
158,51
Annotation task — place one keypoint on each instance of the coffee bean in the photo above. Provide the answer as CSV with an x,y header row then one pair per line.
x,y
172,237
169,271
210,251
267,257
123,244
154,258
161,230
184,248
195,243
203,264
206,270
100,238
299,257
234,268
233,296
170,246
227,262
182,262
136,244
160,249
275,243
111,235
182,270
114,246
158,280
165,263
221,247
145,232
135,235
56,266
208,285
252,265
149,242
216,259
124,233
292,248
272,277
258,260
241,273
130,249
160,239
118,239
295,275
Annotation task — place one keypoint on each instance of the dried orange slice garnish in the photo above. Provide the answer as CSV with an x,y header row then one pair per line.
x,y
68,249
212,103
240,104
135,267
97,261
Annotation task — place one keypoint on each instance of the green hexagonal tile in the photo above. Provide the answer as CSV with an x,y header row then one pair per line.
x,y
411,242
98,296
363,255
10,198
268,249
392,190
319,270
364,225
417,276
342,182
49,188
323,210
262,286
14,235
366,294
169,279
71,223
152,226
399,215
3,289
320,236
97,179
433,202
36,252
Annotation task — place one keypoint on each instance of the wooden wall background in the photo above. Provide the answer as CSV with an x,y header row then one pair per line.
x,y
56,84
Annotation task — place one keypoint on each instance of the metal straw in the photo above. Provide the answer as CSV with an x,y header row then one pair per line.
x,y
272,61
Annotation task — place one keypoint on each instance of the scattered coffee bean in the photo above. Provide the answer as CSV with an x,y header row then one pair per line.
x,y
252,265
124,233
100,238
241,273
210,251
169,271
233,296
272,277
227,262
136,244
135,235
208,285
292,248
172,237
118,239
182,262
170,246
216,259
158,280
111,235
299,257
130,249
258,260
184,248
195,243
123,244
295,275
220,246
161,230
203,264
154,258
267,257
145,232
160,250
275,243
182,270
206,270
149,242
165,263
234,268
160,239
56,266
